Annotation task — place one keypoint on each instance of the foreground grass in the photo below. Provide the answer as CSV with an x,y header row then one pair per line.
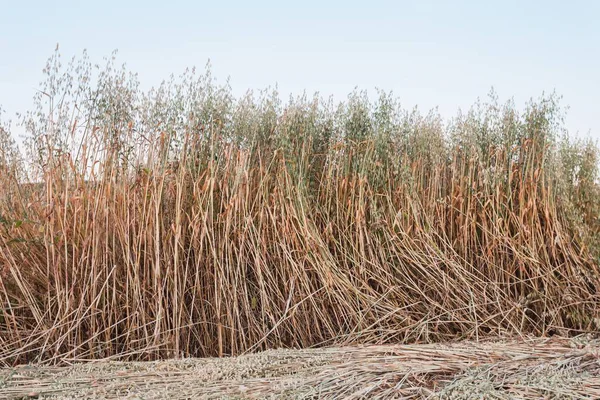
x,y
530,369
183,222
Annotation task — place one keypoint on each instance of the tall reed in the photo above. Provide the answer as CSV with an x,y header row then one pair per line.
x,y
181,221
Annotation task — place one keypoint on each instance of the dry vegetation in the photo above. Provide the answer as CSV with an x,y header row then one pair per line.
x,y
183,222
533,369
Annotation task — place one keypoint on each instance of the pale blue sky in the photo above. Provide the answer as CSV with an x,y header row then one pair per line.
x,y
429,53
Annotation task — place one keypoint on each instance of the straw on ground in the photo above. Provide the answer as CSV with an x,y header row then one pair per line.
x,y
529,369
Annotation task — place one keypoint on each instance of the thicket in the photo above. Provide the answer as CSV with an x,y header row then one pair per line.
x,y
181,221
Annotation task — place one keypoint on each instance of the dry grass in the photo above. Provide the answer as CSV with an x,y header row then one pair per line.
x,y
182,222
531,369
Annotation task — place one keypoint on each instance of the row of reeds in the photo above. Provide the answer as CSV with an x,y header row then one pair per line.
x,y
183,221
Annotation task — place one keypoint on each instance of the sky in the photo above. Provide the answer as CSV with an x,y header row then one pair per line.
x,y
430,54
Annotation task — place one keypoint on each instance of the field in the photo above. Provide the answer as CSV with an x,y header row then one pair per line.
x,y
184,222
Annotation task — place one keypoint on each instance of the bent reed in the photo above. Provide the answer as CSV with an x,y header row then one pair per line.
x,y
181,221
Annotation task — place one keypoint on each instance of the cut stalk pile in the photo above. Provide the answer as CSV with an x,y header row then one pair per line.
x,y
531,369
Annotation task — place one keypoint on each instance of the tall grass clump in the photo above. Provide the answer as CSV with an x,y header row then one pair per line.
x,y
181,221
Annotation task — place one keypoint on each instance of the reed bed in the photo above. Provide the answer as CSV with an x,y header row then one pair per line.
x,y
185,222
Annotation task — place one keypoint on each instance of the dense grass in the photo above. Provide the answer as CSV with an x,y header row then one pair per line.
x,y
182,221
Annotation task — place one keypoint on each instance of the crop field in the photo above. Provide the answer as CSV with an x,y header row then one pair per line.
x,y
357,237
